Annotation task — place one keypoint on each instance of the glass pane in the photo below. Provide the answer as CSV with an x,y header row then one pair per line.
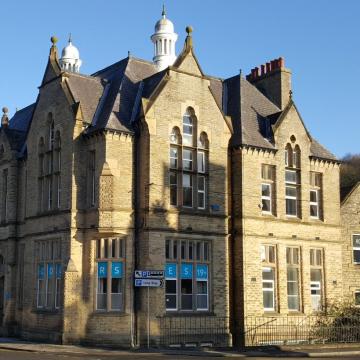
x,y
183,250
268,299
293,303
167,249
291,207
175,247
170,287
201,200
314,211
198,250
313,195
116,286
201,183
201,161
187,159
186,286
357,298
292,288
106,248
356,256
295,256
206,251
315,275
356,240
170,301
265,190
187,190
291,191
268,274
291,176
113,248
191,250
186,302
266,205
292,274
201,287
101,302
116,301
202,302
268,285
271,250
173,157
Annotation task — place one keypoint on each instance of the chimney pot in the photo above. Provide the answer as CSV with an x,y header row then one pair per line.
x,y
268,67
273,65
257,71
262,69
282,62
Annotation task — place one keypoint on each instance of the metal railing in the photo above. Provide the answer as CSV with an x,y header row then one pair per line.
x,y
291,330
194,331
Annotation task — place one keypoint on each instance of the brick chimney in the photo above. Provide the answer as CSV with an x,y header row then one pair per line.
x,y
273,80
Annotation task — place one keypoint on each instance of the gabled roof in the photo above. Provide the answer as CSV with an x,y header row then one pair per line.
x,y
346,192
252,112
22,118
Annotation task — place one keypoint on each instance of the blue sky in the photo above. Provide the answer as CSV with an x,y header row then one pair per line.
x,y
319,39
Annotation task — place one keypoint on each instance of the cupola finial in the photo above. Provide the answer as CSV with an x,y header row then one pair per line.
x,y
164,39
70,38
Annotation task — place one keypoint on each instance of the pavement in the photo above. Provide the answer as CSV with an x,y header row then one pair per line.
x,y
300,351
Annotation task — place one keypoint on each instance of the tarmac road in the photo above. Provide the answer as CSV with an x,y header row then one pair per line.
x,y
25,355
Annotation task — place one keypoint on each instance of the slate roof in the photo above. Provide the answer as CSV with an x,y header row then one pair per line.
x,y
110,99
253,116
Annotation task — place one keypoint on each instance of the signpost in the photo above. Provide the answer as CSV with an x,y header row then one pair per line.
x,y
149,279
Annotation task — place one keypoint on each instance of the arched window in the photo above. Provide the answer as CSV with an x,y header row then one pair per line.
x,y
41,173
292,181
188,127
188,165
57,168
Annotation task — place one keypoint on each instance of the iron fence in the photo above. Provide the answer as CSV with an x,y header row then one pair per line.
x,y
296,330
194,331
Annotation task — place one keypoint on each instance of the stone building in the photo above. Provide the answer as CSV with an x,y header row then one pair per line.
x,y
350,208
155,165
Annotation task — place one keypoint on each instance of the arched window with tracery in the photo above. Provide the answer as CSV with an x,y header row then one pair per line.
x,y
41,173
188,164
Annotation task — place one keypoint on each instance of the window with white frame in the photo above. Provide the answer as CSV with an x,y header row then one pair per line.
x,y
268,260
291,192
267,188
315,194
316,278
110,259
188,165
187,272
188,128
293,275
356,248
292,181
49,274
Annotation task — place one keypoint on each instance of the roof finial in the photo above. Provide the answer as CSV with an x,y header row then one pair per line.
x,y
70,38
5,118
188,41
54,40
163,11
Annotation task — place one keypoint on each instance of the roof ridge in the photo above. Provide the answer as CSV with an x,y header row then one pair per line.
x,y
97,73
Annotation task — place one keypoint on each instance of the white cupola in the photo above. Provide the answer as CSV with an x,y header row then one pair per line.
x,y
70,58
164,40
